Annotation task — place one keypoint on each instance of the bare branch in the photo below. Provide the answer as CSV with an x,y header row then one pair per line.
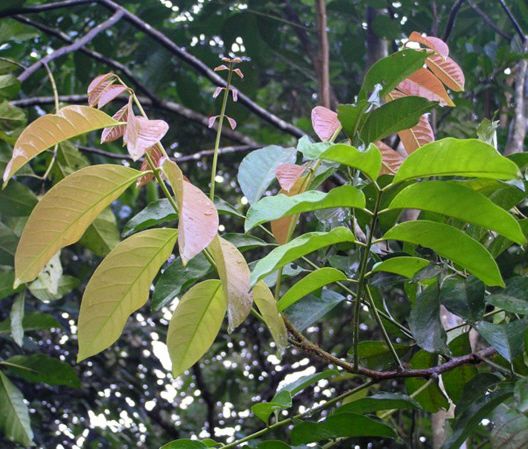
x,y
79,43
324,54
452,18
488,20
42,8
513,20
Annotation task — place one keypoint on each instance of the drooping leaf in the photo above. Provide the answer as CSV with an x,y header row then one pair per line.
x,y
52,129
257,170
343,425
324,122
116,132
234,274
156,213
457,157
97,86
455,200
452,243
405,266
447,71
507,339
274,207
391,71
195,324
64,213
514,298
106,303
368,161
424,321
109,94
311,282
402,113
177,278
16,319
267,306
41,368
313,308
102,235
298,247
423,83
14,414
377,402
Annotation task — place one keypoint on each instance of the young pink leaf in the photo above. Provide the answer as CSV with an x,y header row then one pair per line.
x,y
287,175
220,67
217,91
110,93
324,122
156,155
417,136
234,93
232,122
97,86
112,134
434,43
239,73
423,83
447,71
212,120
391,159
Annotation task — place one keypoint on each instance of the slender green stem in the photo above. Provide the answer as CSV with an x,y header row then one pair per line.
x,y
382,327
361,277
219,130
287,421
56,102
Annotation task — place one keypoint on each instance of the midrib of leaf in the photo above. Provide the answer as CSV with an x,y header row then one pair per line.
x,y
13,407
110,193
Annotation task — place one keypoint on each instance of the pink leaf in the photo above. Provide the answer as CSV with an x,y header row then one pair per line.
x,y
431,42
232,122
423,83
447,71
212,120
417,136
97,86
217,91
234,93
221,67
116,132
156,155
324,122
109,94
239,73
287,175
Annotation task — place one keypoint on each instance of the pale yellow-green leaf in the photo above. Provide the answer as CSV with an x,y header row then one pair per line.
x,y
120,286
195,324
14,414
64,213
234,273
270,313
52,129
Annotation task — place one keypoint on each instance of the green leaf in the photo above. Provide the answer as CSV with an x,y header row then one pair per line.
x,y
33,322
177,278
452,243
520,394
344,425
42,368
368,161
311,150
424,321
455,380
155,214
66,285
16,318
514,298
16,200
119,287
273,444
267,306
510,428
507,339
257,170
11,117
51,129
8,244
14,414
263,410
377,402
245,242
405,266
313,308
402,113
9,86
455,200
456,157
351,115
195,324
390,71
298,247
69,160
463,297
6,284
272,208
430,398
377,355
64,213
184,444
311,282
102,236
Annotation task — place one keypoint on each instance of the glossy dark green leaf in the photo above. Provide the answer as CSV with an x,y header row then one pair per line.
x,y
377,402
406,266
368,161
425,323
377,355
351,115
245,242
456,379
298,247
457,157
402,113
455,200
8,244
177,278
35,321
272,208
311,282
507,339
184,444
156,213
41,368
343,425
391,70
14,414
452,243
463,297
11,117
313,308
514,298
7,278
16,200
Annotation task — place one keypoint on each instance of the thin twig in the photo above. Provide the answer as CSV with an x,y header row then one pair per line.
x,y
488,20
513,20
452,18
43,8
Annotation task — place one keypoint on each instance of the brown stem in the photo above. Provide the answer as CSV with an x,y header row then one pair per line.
x,y
324,54
79,43
452,18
